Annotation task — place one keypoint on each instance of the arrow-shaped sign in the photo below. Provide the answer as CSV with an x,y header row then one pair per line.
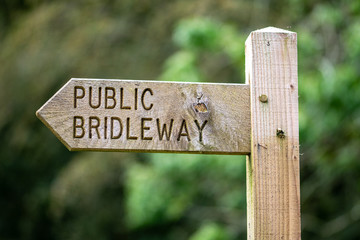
x,y
150,116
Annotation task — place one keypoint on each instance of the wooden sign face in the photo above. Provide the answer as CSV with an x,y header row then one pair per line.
x,y
150,116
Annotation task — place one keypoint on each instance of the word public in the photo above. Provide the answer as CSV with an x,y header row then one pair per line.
x,y
115,126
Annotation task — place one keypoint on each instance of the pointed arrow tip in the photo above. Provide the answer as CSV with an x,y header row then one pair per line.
x,y
40,116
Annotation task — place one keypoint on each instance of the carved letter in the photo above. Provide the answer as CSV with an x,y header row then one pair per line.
x,y
113,136
76,96
105,128
90,98
200,128
76,126
136,99
122,100
128,131
112,96
143,96
143,128
181,134
96,126
164,130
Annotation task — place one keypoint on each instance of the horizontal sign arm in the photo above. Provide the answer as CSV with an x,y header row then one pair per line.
x,y
150,116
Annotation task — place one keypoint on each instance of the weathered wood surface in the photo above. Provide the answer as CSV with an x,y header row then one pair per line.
x,y
273,185
150,116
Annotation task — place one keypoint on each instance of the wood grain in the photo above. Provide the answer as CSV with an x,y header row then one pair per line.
x,y
126,115
273,185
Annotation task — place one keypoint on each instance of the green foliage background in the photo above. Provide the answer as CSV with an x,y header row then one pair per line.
x,y
47,192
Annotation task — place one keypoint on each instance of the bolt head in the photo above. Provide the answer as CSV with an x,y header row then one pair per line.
x,y
263,98
280,133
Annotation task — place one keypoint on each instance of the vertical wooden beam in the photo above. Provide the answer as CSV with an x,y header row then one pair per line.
x,y
273,185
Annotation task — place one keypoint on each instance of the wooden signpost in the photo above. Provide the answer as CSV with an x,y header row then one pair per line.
x,y
124,115
258,119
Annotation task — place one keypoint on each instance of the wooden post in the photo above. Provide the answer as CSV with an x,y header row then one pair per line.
x,y
273,185
207,122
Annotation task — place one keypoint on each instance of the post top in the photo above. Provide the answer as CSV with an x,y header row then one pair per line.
x,y
273,30
268,30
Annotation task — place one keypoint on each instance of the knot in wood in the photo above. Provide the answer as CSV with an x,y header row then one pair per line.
x,y
201,107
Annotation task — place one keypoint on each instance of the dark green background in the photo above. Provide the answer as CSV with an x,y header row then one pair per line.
x,y
47,192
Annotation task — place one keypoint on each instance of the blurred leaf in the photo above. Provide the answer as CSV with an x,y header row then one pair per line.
x,y
210,231
197,34
181,67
